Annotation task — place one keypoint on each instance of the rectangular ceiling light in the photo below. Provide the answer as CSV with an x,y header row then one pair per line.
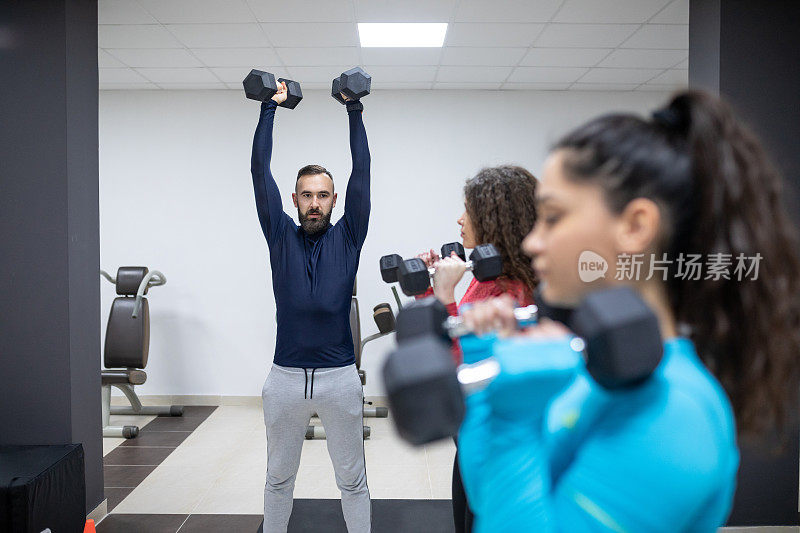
x,y
402,34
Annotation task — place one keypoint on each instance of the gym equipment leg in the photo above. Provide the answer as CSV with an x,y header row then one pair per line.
x,y
127,432
318,432
136,407
376,412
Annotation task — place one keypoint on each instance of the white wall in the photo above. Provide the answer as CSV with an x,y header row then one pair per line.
x,y
176,195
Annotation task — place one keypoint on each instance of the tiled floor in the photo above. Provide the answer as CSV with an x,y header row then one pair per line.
x,y
205,472
127,462
212,461
308,516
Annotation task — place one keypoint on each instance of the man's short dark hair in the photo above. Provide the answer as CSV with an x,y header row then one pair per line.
x,y
311,170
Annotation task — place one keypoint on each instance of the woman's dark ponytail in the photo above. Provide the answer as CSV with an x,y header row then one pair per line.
x,y
749,328
721,197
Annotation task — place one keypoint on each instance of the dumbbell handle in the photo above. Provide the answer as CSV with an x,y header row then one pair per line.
x,y
468,264
477,376
525,316
432,270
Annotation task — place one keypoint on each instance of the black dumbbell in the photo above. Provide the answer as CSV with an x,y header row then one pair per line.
x,y
485,263
618,333
261,86
354,83
456,247
557,314
390,264
429,316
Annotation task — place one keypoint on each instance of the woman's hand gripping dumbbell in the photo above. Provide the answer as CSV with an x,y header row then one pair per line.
x,y
617,341
390,264
414,275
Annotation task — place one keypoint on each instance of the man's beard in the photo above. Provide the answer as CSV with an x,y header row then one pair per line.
x,y
312,225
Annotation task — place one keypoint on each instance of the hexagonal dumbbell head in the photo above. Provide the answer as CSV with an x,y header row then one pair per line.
x,y
336,91
294,93
425,316
454,247
422,387
389,267
486,262
355,83
557,314
623,339
413,276
260,85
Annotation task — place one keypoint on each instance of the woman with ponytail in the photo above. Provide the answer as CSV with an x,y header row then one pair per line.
x,y
689,184
498,209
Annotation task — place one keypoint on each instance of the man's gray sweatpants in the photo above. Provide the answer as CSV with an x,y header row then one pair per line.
x,y
291,396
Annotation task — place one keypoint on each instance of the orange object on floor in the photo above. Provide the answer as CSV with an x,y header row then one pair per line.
x,y
89,528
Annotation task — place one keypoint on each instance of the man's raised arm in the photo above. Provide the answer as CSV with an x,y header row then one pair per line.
x,y
268,197
357,203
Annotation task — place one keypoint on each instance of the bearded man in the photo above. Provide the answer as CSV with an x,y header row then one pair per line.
x,y
313,271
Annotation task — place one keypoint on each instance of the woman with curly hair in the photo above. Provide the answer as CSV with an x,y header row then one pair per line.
x,y
499,209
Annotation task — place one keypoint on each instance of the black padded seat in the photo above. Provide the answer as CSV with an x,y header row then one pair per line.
x,y
355,330
130,376
129,278
127,338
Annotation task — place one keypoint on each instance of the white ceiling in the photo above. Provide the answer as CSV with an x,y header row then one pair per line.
x,y
490,44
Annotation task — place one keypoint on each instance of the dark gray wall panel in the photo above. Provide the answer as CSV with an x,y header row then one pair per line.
x,y
749,53
49,285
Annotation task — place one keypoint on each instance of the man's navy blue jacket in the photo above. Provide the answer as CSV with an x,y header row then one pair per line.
x,y
312,275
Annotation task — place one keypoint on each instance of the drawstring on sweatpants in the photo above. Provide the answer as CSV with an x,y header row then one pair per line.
x,y
306,395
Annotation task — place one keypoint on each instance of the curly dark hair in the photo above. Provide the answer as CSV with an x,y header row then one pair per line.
x,y
719,194
500,202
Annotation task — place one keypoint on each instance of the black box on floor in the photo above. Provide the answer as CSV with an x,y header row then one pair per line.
x,y
42,487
